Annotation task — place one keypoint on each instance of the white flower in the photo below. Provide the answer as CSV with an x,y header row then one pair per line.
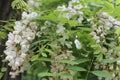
x,y
9,58
18,27
14,74
22,35
17,63
33,3
25,22
80,19
104,15
11,36
17,39
77,7
62,8
118,62
77,44
33,25
77,1
24,15
32,15
97,38
60,28
23,55
9,43
28,34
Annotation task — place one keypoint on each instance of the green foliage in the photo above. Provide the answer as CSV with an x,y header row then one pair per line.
x,y
4,69
1,74
118,31
76,68
3,35
43,74
19,4
102,74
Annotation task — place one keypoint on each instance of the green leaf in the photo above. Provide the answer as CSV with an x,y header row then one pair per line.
x,y
63,20
64,74
86,29
111,39
117,31
108,44
3,69
3,35
72,22
46,59
34,44
14,3
110,60
51,17
117,1
19,4
100,57
108,5
102,74
44,54
76,68
34,58
1,75
48,1
43,74
49,50
79,61
8,28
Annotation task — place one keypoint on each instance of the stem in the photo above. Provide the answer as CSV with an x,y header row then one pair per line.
x,y
89,68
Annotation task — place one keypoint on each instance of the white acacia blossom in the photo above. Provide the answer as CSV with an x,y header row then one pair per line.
x,y
19,41
58,67
101,30
72,10
105,24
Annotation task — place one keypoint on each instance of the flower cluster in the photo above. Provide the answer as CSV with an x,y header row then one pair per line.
x,y
71,10
61,31
32,4
59,67
19,41
104,25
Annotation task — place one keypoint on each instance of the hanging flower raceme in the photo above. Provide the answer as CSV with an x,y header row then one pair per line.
x,y
71,10
104,25
19,41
